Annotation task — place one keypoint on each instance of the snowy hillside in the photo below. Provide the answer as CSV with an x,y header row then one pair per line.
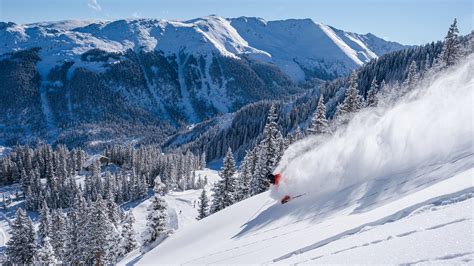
x,y
302,46
182,210
394,186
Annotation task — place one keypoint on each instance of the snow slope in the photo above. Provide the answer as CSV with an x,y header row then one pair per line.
x,y
182,211
400,193
181,208
293,45
417,226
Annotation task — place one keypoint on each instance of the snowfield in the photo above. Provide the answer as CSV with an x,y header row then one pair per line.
x,y
394,186
182,211
181,208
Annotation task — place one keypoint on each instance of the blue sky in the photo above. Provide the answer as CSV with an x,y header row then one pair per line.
x,y
405,21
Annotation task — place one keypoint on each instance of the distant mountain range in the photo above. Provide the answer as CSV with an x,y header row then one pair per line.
x,y
75,80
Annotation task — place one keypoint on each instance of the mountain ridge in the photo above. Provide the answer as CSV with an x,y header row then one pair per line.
x,y
223,35
158,73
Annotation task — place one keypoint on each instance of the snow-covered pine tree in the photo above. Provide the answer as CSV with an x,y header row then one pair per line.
x,y
226,187
372,94
29,199
44,229
72,237
133,185
159,188
203,205
125,187
142,186
84,232
59,234
352,100
46,254
102,232
268,153
298,134
412,77
21,248
245,176
384,93
157,219
199,182
319,123
88,186
113,210
451,48
129,240
203,160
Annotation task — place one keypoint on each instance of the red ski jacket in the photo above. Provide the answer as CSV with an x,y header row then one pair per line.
x,y
277,179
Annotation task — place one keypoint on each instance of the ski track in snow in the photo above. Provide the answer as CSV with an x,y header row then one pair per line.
x,y
388,219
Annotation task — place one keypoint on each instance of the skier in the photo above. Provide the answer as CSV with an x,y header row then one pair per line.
x,y
275,179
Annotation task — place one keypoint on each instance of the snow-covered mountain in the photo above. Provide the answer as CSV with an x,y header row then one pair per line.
x,y
297,46
59,75
394,186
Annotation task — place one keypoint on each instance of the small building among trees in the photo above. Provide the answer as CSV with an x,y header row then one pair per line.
x,y
103,161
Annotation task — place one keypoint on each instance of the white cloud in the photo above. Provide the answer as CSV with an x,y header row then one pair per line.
x,y
136,14
94,5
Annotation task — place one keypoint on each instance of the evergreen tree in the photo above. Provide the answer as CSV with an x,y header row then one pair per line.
x,y
59,235
30,200
159,187
113,210
298,134
383,96
372,94
44,229
102,235
225,188
203,160
319,123
77,244
247,170
129,240
157,219
412,77
352,101
203,205
451,48
46,253
21,248
268,153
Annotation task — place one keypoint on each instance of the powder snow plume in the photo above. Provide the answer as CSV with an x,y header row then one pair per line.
x,y
432,124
